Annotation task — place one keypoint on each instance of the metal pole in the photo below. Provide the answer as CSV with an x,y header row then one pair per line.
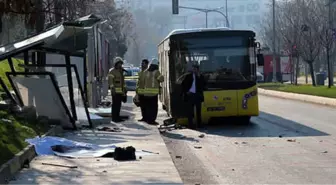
x,y
274,37
206,19
330,66
185,21
226,13
206,11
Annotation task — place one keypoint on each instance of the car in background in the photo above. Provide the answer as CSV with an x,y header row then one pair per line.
x,y
131,77
131,85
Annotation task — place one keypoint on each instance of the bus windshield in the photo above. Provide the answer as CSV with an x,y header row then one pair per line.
x,y
219,58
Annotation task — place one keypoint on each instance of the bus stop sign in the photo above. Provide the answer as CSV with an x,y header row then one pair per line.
x,y
175,7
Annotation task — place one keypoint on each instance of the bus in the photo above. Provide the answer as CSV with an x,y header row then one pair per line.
x,y
228,60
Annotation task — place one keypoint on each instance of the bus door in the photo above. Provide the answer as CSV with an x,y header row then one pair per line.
x,y
178,105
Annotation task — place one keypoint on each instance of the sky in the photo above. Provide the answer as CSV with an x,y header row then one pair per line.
x,y
242,14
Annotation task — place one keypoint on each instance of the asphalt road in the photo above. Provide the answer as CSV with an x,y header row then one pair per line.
x,y
290,142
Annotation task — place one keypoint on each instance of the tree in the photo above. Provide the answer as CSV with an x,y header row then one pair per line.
x,y
36,13
303,24
119,25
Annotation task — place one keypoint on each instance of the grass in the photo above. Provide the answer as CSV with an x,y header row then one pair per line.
x,y
4,67
322,91
14,132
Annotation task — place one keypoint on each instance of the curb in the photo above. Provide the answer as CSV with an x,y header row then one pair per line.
x,y
331,102
22,159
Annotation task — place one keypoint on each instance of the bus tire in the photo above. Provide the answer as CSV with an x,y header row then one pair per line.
x,y
245,120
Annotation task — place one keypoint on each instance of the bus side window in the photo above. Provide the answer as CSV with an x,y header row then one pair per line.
x,y
179,65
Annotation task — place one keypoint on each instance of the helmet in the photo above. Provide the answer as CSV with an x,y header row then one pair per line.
x,y
155,61
136,100
117,60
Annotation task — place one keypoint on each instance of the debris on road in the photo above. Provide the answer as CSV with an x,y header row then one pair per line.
x,y
233,169
291,140
197,147
150,152
201,136
59,165
325,152
178,157
108,129
236,143
183,137
244,142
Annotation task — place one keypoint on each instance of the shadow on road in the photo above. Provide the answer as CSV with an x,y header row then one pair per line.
x,y
300,128
178,136
265,125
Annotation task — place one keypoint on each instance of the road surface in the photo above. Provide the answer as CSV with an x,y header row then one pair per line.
x,y
290,142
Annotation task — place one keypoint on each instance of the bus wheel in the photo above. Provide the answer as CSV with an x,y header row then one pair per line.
x,y
244,120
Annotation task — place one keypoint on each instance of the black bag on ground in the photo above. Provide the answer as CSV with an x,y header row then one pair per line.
x,y
124,154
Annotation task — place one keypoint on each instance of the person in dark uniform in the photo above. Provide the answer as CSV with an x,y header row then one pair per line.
x,y
141,88
117,85
193,85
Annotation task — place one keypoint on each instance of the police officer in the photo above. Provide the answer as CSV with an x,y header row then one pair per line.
x,y
152,80
116,81
141,87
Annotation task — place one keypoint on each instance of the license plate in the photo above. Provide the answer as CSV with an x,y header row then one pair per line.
x,y
215,109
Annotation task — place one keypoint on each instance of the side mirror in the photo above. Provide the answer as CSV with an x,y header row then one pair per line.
x,y
260,59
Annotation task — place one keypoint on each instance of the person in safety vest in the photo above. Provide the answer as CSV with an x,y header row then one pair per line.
x,y
152,80
116,81
140,88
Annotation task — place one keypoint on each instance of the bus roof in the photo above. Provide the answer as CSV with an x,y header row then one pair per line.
x,y
193,30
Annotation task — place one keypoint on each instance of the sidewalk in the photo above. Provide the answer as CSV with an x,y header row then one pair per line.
x,y
299,97
148,169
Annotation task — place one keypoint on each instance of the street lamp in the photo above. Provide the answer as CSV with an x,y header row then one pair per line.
x,y
206,11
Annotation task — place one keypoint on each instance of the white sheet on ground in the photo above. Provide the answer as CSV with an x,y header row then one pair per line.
x,y
43,147
101,110
81,115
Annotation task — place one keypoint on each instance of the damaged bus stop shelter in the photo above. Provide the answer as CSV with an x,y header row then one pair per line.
x,y
56,70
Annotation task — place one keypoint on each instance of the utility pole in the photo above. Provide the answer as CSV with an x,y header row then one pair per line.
x,y
206,11
226,13
274,50
329,33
